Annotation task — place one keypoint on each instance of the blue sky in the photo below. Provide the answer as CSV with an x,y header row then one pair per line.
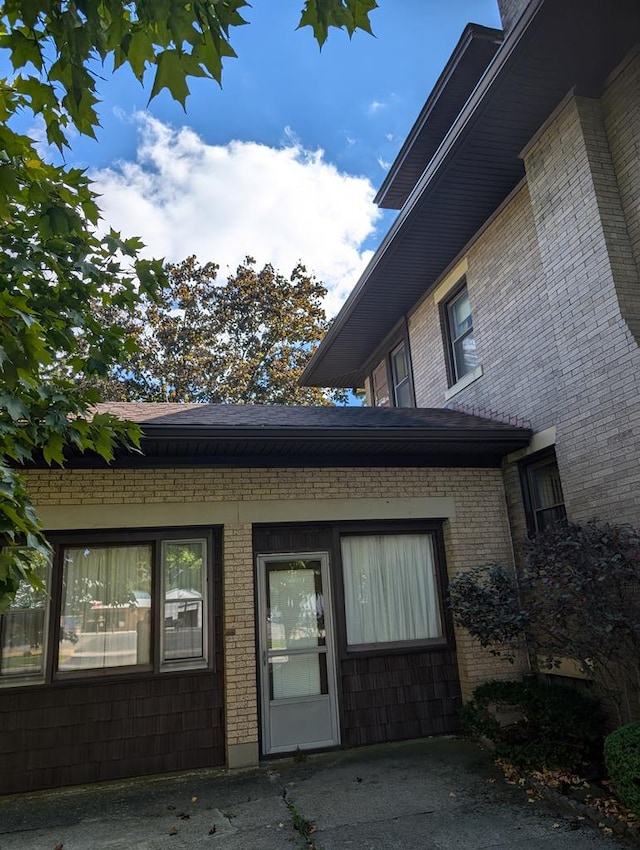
x,y
281,163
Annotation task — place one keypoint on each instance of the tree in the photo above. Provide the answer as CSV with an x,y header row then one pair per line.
x,y
577,597
246,340
52,263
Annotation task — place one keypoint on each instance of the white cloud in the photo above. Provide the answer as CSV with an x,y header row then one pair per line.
x,y
384,165
221,202
376,106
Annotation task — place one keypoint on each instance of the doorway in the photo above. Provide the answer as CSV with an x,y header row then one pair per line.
x,y
297,655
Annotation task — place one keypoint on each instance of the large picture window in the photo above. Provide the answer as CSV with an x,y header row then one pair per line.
x,y
390,590
138,603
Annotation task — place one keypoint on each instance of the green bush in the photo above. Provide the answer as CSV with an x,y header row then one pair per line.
x,y
622,760
558,727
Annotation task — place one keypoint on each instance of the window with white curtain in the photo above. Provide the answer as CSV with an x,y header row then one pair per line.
x,y
390,589
107,605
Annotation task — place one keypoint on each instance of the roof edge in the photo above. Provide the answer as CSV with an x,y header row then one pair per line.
x,y
448,145
470,33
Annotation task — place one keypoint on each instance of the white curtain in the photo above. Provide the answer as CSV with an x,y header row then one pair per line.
x,y
106,607
390,588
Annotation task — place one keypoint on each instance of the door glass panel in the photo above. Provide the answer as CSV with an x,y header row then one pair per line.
x,y
295,605
298,675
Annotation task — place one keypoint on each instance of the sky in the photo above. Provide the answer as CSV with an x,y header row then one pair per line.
x,y
281,163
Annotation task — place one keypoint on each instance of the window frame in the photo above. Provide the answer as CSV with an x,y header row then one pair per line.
x,y
384,356
154,537
39,677
527,469
433,528
449,340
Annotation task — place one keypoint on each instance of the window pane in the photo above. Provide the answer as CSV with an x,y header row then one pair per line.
x,y
546,487
460,311
399,366
23,628
403,395
295,605
298,675
390,588
184,566
106,608
464,352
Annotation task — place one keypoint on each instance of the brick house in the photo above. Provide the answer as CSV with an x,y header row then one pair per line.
x,y
509,284
225,596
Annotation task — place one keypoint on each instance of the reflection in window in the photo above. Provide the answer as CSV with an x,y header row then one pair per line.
x,y
295,623
23,628
400,376
544,501
106,608
462,342
184,572
390,589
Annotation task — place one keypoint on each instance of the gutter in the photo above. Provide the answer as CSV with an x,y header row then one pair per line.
x,y
183,433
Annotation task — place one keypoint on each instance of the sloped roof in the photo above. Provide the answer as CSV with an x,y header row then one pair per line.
x,y
556,45
475,49
278,435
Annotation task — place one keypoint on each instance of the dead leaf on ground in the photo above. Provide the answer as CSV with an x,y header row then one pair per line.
x,y
173,830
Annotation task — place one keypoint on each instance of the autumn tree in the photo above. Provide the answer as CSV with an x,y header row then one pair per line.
x,y
245,339
52,262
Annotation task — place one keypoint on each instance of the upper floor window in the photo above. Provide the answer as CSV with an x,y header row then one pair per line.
x,y
542,493
460,340
391,379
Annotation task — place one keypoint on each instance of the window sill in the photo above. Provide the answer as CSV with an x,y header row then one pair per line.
x,y
464,382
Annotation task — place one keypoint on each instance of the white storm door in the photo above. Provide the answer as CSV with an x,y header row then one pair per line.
x,y
297,663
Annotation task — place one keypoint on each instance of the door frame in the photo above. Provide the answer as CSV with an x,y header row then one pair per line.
x,y
330,644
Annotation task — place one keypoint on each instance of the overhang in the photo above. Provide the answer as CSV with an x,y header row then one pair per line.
x,y
278,436
556,46
471,56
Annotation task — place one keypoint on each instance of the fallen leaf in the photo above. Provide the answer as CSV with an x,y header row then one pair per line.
x,y
212,831
452,794
556,826
194,799
173,830
58,846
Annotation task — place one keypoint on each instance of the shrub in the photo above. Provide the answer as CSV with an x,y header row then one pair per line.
x,y
558,727
622,760
577,596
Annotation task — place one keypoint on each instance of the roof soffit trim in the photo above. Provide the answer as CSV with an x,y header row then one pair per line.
x,y
429,177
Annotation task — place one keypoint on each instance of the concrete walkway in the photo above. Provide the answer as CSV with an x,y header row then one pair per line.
x,y
435,794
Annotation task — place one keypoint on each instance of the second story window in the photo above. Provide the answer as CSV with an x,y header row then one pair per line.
x,y
391,379
459,330
402,395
